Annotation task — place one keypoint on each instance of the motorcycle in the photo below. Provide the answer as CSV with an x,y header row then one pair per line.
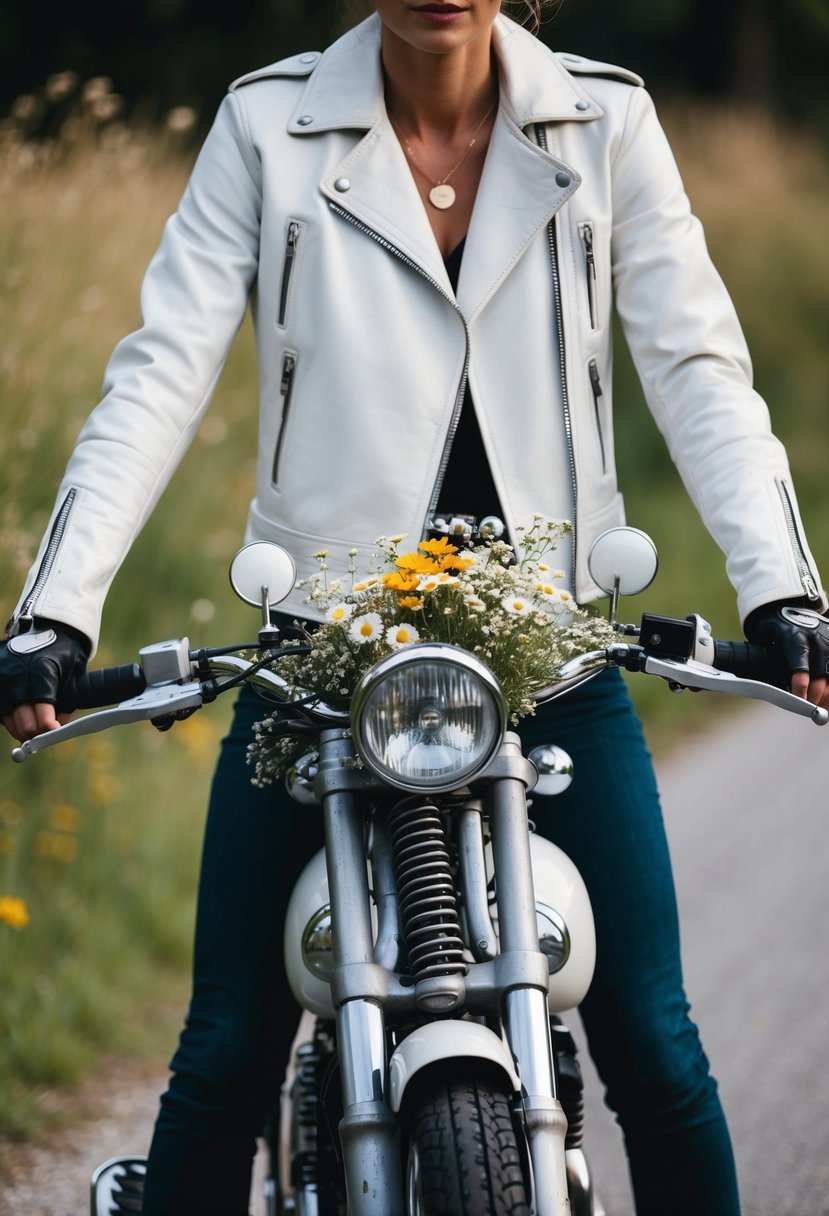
x,y
436,940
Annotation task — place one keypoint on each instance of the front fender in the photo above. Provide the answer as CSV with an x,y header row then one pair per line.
x,y
450,1040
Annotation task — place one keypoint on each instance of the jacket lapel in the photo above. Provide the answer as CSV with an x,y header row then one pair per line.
x,y
522,185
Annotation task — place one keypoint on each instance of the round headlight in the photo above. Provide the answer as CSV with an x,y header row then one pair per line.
x,y
428,717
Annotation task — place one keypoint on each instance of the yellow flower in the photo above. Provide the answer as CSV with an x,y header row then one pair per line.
x,y
456,563
10,811
102,789
6,844
410,601
401,582
417,562
13,912
438,547
56,845
65,818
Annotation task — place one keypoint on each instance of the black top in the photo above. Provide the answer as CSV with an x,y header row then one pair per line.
x,y
468,488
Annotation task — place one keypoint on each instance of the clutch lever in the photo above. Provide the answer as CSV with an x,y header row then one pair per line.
x,y
695,675
156,701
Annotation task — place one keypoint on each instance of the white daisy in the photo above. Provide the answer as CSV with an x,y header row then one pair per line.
x,y
517,605
366,628
338,613
401,635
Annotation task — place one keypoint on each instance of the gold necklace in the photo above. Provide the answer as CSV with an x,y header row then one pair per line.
x,y
441,195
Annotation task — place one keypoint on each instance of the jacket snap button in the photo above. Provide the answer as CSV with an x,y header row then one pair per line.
x,y
582,105
304,120
562,179
342,184
307,59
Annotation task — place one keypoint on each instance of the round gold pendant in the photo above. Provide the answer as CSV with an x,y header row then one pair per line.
x,y
442,196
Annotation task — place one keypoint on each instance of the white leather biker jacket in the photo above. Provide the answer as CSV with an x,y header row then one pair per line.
x,y
302,202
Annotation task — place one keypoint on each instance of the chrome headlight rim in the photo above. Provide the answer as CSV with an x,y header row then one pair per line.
x,y
415,654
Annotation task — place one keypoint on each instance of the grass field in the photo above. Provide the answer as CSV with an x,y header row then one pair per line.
x,y
100,840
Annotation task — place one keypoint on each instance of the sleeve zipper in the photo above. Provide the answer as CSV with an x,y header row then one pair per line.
x,y
807,579
289,362
586,234
23,619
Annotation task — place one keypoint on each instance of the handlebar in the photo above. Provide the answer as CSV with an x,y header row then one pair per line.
x,y
175,681
106,686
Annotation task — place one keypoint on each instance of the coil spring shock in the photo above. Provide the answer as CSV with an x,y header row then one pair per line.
x,y
426,891
571,1085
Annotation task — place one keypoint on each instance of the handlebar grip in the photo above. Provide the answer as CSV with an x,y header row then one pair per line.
x,y
107,686
746,660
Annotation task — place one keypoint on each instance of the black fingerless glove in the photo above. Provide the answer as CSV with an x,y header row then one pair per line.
x,y
41,665
796,635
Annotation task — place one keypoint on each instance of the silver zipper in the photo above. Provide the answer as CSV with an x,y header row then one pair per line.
x,y
541,137
291,246
586,234
803,568
26,612
461,393
596,386
289,362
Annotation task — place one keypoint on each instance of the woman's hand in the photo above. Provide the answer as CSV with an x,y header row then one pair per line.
x,y
799,636
37,673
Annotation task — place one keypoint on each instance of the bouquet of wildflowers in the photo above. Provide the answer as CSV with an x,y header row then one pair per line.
x,y
510,609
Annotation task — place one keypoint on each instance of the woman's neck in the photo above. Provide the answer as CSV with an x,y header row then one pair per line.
x,y
443,95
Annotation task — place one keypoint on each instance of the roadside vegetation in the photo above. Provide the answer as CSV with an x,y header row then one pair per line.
x,y
99,840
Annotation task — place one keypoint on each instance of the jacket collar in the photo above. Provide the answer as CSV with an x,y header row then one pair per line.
x,y
522,185
346,89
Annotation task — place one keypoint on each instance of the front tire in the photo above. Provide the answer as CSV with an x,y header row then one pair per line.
x,y
463,1157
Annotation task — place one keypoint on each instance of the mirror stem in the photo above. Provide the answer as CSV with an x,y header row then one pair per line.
x,y
614,601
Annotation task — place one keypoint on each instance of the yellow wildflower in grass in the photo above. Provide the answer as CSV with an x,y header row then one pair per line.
x,y
199,735
65,818
410,601
10,812
103,789
13,912
57,846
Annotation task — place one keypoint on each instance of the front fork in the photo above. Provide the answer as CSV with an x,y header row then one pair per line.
x,y
369,1130
525,1005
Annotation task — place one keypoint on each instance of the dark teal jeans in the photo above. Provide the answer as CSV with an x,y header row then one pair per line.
x,y
242,1017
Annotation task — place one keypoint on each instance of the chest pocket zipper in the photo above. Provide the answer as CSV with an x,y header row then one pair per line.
x,y
586,234
596,387
293,240
286,384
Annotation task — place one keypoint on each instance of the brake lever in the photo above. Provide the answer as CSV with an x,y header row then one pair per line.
x,y
154,702
710,679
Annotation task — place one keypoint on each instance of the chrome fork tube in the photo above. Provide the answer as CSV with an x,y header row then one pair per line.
x,y
368,1130
525,1005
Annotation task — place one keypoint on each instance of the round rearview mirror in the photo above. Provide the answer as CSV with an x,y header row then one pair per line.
x,y
262,565
625,558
